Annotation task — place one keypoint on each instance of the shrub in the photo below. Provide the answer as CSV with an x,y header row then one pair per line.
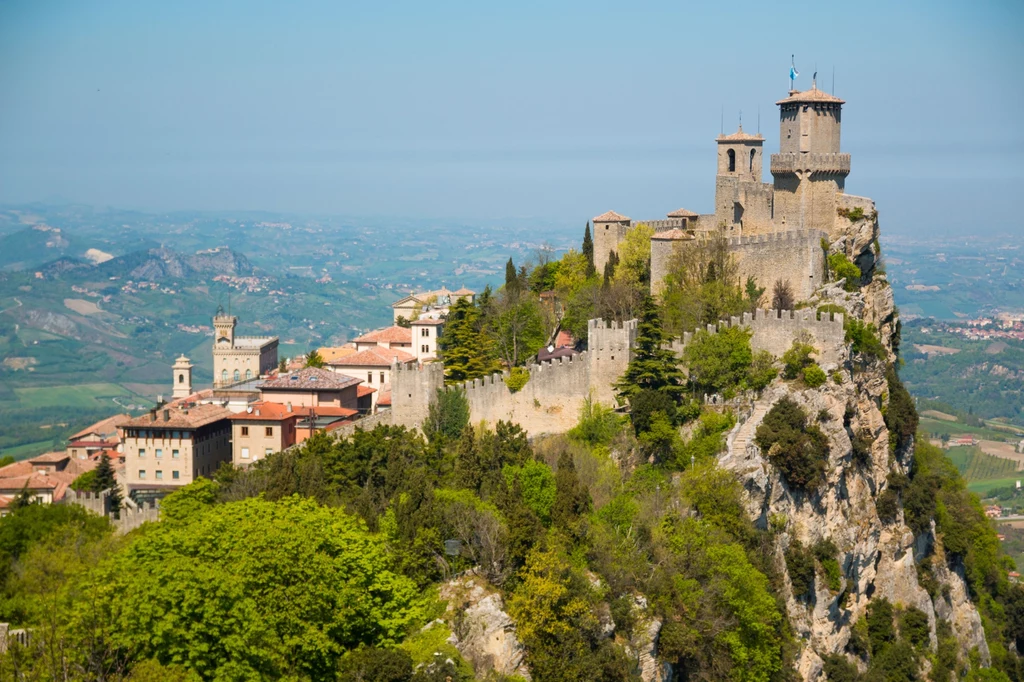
x,y
864,339
644,404
856,213
862,448
880,630
800,451
887,505
796,358
86,482
782,295
837,377
900,414
762,370
718,362
914,627
814,376
841,268
447,415
831,308
517,378
824,415
839,669
800,566
598,424
827,554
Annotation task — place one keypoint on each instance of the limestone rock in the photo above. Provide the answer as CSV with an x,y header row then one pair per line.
x,y
481,629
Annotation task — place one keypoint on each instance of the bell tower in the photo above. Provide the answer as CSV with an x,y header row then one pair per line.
x,y
182,378
224,329
742,201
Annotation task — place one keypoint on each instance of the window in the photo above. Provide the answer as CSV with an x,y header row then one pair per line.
x,y
732,160
142,474
181,378
159,475
382,377
142,452
237,375
369,377
74,453
224,376
425,348
245,430
753,153
175,475
245,453
268,451
270,431
425,331
175,454
248,374
159,453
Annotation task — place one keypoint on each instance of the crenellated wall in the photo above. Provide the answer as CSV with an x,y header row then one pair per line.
x,y
795,255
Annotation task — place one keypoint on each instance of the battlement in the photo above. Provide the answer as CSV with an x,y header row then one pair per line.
x,y
663,225
792,236
790,163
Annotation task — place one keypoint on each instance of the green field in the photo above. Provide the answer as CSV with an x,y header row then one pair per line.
x,y
975,465
80,395
938,426
983,488
28,449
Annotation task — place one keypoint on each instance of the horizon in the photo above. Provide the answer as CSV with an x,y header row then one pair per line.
x,y
490,114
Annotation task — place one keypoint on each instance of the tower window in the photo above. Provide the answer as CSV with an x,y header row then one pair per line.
x,y
224,376
753,153
732,160
237,377
181,378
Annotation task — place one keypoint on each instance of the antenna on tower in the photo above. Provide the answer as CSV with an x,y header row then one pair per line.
x,y
833,79
741,119
723,119
758,119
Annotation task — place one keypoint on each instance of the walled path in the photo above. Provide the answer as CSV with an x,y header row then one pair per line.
x,y
747,429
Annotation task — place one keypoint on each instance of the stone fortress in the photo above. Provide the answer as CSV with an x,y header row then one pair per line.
x,y
775,231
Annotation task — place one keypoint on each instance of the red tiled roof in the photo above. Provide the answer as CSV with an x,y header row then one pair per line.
x,y
50,458
364,391
739,136
564,338
312,378
104,427
394,334
427,322
610,217
384,400
327,411
265,411
374,357
812,95
179,417
464,292
682,213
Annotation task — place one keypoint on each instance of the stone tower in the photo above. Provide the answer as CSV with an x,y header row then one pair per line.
x,y
609,229
809,169
224,329
743,204
182,378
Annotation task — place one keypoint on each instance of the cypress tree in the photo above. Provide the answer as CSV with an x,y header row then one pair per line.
x,y
609,267
588,251
510,273
572,499
466,349
105,480
652,367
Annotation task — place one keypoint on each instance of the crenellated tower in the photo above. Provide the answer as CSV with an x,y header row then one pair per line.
x,y
809,169
743,204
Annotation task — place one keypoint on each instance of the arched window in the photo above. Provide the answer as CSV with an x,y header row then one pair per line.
x,y
181,378
732,160
237,375
248,374
753,153
224,376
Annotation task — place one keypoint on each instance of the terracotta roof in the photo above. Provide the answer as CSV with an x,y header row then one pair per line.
x,y
363,391
673,234
50,458
265,411
196,398
329,353
180,417
411,298
374,357
739,136
312,378
682,213
104,427
384,400
812,95
464,292
56,482
564,338
394,334
427,321
610,217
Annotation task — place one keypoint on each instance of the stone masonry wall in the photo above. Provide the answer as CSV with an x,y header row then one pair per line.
x,y
796,256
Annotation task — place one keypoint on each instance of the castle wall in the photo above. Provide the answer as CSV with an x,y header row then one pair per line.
x,y
794,255
743,203
661,261
610,348
412,390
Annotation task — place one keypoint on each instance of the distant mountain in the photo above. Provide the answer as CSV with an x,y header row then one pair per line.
x,y
156,265
34,246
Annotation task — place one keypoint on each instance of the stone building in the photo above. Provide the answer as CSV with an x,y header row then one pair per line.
x,y
239,358
774,230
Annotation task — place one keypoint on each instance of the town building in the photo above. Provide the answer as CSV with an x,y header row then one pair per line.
x,y
173,446
103,435
374,366
410,307
426,333
316,387
388,338
262,429
45,477
182,378
239,358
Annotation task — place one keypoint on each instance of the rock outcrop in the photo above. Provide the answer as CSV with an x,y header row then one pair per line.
x,y
481,629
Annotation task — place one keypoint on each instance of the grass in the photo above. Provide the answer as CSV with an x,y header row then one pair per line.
x,y
26,450
79,395
982,488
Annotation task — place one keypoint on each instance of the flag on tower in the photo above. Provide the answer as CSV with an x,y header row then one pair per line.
x,y
793,73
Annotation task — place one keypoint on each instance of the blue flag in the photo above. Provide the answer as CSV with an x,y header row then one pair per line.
x,y
793,73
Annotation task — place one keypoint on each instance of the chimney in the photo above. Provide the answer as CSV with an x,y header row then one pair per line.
x,y
159,401
257,411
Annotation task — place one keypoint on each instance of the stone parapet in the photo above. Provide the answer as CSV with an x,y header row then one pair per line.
x,y
797,162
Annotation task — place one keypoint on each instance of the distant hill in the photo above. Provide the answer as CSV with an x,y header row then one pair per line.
x,y
34,246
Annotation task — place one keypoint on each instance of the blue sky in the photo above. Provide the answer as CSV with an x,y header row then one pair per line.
x,y
473,110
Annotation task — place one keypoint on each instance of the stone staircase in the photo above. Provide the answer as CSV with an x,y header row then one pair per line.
x,y
745,434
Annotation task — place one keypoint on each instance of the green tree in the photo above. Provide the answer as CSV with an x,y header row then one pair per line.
x,y
536,484
465,347
518,327
652,367
588,252
597,424
701,286
645,404
799,450
447,415
634,257
282,366
314,359
719,362
572,499
511,276
255,589
105,480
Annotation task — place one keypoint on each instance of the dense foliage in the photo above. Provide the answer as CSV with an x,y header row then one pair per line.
x,y
799,450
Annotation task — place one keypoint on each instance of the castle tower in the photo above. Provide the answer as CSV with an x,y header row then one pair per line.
x,y
224,329
182,378
609,229
809,169
743,204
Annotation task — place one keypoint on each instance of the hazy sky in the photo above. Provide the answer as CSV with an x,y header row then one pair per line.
x,y
475,110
